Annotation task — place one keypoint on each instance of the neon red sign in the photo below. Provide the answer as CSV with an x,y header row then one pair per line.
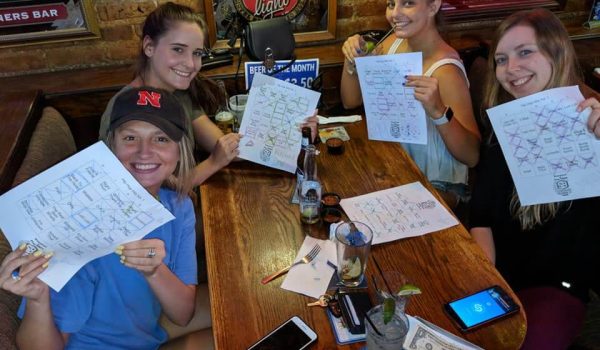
x,y
261,9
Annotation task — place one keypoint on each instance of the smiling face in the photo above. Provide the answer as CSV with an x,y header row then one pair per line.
x,y
521,67
176,58
409,17
146,152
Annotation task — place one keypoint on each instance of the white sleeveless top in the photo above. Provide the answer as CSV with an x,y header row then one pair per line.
x,y
434,159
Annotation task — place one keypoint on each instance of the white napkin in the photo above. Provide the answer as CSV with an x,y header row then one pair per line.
x,y
313,278
347,119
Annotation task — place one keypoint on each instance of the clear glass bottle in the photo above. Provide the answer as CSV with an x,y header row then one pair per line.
x,y
310,189
300,161
224,118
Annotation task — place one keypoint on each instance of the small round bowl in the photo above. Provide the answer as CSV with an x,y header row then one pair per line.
x,y
335,145
330,199
331,215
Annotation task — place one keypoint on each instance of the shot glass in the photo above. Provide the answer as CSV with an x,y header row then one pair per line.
x,y
353,243
388,336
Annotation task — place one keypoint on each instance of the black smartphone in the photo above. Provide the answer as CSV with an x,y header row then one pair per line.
x,y
481,308
293,334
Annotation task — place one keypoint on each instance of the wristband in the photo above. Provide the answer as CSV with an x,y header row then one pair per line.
x,y
445,118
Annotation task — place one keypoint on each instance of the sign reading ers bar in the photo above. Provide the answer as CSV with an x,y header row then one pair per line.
x,y
25,15
301,72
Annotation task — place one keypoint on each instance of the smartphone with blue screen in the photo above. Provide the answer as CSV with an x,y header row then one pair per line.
x,y
481,308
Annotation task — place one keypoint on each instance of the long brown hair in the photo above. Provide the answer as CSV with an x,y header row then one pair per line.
x,y
202,89
554,43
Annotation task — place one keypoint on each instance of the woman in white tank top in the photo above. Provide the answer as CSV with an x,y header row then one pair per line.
x,y
452,141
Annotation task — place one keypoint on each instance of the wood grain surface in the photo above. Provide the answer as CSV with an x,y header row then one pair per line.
x,y
252,230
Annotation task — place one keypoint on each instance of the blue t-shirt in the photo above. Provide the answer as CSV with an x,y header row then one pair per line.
x,y
108,305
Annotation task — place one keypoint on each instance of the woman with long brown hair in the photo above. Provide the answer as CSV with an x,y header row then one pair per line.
x,y
549,253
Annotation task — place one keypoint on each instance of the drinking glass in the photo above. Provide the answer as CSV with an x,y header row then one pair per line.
x,y
353,243
237,104
391,335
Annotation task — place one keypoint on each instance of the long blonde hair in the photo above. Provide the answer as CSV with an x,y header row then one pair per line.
x,y
555,44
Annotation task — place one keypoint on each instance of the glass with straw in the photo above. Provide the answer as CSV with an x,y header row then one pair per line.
x,y
387,324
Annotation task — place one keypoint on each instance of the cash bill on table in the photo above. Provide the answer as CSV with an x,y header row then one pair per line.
x,y
423,334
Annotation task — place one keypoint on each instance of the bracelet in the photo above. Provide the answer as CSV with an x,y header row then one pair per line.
x,y
351,68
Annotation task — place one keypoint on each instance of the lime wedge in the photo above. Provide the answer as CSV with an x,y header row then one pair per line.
x,y
389,306
409,289
352,268
369,45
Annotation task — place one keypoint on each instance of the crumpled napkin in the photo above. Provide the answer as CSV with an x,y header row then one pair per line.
x,y
345,119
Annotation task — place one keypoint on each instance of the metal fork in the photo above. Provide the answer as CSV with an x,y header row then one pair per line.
x,y
305,260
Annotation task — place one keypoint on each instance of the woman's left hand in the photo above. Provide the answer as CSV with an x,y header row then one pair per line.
x,y
594,118
312,122
427,92
145,255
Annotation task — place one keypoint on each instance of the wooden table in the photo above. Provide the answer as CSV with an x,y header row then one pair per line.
x,y
252,230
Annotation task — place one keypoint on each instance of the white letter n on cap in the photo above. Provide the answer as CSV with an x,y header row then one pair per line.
x,y
146,97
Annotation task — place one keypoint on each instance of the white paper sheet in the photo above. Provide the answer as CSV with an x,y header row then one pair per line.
x,y
551,155
400,212
80,209
313,278
393,113
270,126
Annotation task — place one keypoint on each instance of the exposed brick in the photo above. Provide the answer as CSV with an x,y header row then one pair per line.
x,y
345,11
21,61
127,51
126,10
76,55
116,33
370,8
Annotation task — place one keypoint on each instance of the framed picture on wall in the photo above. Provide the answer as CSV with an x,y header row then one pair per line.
x,y
26,22
311,20
594,19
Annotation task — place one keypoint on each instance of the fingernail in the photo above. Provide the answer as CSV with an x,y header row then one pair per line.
x,y
37,253
403,84
406,76
22,245
122,259
118,251
49,255
120,247
45,264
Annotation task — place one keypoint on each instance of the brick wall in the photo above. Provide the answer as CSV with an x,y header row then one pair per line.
x,y
120,22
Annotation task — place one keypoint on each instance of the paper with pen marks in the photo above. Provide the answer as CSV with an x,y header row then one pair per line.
x,y
271,123
399,212
81,208
393,113
551,154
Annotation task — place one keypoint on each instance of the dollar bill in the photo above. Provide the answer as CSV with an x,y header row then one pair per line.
x,y
425,335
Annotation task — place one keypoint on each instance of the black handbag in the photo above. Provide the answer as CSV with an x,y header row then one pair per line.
x,y
274,34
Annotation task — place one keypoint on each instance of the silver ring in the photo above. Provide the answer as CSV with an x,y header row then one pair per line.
x,y
151,253
15,275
